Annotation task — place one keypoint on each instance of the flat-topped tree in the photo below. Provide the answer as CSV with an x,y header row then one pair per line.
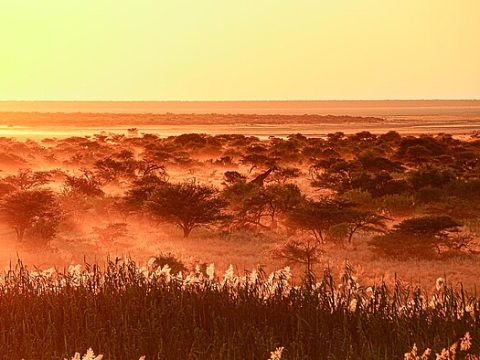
x,y
422,236
362,220
257,160
85,184
27,179
318,216
34,211
187,205
140,191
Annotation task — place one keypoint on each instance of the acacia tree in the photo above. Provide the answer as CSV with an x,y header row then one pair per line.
x,y
187,205
261,206
336,174
279,199
86,184
305,251
27,179
111,169
358,220
78,192
420,236
140,191
284,174
257,160
318,216
34,210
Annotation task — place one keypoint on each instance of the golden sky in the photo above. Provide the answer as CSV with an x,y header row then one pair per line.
x,y
239,49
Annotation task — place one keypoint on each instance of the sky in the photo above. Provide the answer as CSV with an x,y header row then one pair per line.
x,y
239,49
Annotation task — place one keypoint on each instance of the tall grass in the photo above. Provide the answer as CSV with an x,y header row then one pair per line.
x,y
124,311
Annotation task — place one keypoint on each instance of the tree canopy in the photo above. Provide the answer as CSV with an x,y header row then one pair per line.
x,y
187,205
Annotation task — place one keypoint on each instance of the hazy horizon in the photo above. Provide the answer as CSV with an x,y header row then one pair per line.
x,y
385,108
242,100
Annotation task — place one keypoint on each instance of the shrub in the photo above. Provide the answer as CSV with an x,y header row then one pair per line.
x,y
362,199
428,195
397,205
159,261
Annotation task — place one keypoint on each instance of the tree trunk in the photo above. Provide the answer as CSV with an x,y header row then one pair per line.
x,y
186,231
20,233
350,236
352,232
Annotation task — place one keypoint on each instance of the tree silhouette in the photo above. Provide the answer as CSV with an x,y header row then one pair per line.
x,y
305,251
34,210
187,205
318,216
27,179
358,220
419,237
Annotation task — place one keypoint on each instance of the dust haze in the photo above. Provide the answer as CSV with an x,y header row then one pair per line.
x,y
113,191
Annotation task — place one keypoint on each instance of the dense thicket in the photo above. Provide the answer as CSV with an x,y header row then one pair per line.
x,y
333,188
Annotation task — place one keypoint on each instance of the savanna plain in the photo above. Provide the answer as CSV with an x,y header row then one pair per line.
x,y
360,240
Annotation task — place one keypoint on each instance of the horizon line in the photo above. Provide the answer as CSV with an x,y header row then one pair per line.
x,y
272,100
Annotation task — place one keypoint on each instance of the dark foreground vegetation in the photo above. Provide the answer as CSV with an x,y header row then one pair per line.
x,y
124,312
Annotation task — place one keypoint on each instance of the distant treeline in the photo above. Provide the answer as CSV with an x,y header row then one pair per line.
x,y
108,119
